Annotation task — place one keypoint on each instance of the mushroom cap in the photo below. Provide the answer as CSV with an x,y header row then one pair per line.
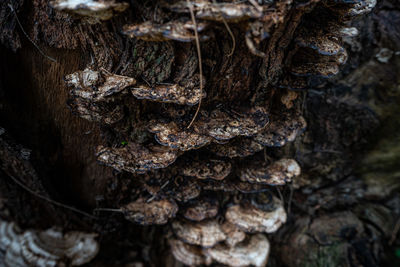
x,y
205,233
277,173
201,209
225,11
207,169
179,30
284,127
97,85
233,234
239,147
136,158
252,219
148,213
186,190
51,248
8,232
170,93
253,252
172,135
188,254
101,9
220,125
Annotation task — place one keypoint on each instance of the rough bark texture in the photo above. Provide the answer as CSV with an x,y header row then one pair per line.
x,y
106,144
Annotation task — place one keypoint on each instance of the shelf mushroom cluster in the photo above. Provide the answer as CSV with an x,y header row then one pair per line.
x,y
235,241
50,247
206,176
318,51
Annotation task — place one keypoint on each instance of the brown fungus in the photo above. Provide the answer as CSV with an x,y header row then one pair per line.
x,y
277,173
228,123
284,127
201,209
179,137
50,247
96,10
219,125
136,158
146,212
97,86
239,147
215,185
321,43
252,219
185,189
208,10
188,254
207,169
169,93
233,234
180,30
354,9
253,252
245,187
205,233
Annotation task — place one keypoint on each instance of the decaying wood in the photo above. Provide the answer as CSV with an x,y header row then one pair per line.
x,y
274,148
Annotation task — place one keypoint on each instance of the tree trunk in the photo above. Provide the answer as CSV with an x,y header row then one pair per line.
x,y
101,134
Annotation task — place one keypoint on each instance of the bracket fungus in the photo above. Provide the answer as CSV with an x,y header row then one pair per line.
x,y
169,93
188,254
136,158
219,125
97,85
98,10
239,147
283,128
146,212
205,233
207,169
50,247
185,189
8,232
277,173
180,30
201,209
252,219
209,10
225,204
175,136
254,252
92,94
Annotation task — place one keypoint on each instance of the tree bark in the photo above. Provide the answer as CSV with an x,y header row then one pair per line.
x,y
342,210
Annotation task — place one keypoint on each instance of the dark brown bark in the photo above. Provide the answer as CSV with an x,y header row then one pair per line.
x,y
342,209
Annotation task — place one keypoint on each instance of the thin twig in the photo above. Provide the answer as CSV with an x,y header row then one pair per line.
x,y
27,36
200,62
51,200
232,36
230,33
161,188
